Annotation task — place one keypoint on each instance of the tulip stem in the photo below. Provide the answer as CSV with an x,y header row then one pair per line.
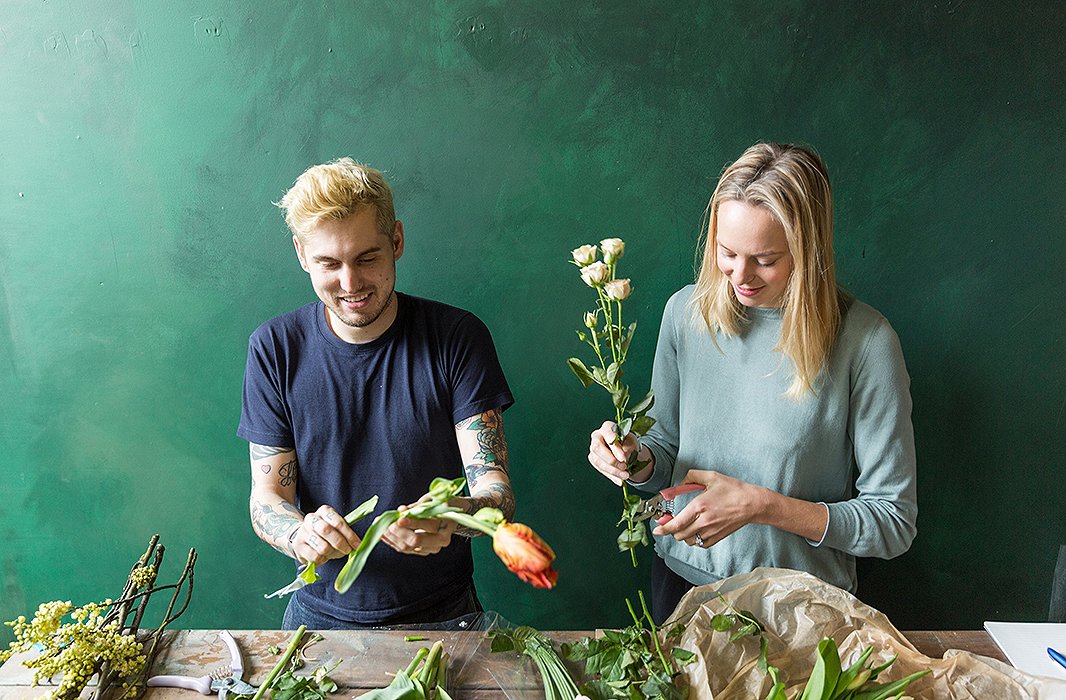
x,y
467,520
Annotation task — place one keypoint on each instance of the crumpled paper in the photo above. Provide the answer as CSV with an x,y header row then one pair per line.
x,y
799,610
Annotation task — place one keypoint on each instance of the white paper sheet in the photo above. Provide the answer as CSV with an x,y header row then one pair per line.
x,y
1026,644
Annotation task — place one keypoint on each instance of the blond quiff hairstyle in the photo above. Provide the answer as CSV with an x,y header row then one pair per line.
x,y
792,183
334,191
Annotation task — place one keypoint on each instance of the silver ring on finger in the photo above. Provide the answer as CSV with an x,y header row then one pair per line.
x,y
699,540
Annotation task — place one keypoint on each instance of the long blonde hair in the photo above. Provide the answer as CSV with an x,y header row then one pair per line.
x,y
791,182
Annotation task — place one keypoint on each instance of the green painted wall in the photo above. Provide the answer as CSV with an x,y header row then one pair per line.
x,y
142,142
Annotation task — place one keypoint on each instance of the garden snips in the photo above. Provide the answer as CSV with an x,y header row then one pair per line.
x,y
224,681
661,505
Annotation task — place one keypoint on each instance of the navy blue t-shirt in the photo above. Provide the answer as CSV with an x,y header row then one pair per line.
x,y
374,418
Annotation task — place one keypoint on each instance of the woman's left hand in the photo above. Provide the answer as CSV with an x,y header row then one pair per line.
x,y
725,506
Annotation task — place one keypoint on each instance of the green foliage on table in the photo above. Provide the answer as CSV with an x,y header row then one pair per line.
x,y
631,663
558,685
423,679
829,681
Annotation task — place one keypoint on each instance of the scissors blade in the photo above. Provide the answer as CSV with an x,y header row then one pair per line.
x,y
650,507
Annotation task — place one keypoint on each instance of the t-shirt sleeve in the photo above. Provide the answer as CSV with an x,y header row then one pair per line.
x,y
477,379
264,418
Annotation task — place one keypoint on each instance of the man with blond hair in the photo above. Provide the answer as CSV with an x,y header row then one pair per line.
x,y
369,391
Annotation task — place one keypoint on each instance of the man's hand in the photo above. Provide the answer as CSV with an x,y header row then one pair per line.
x,y
323,535
420,536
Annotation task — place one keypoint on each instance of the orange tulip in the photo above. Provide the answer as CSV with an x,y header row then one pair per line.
x,y
525,553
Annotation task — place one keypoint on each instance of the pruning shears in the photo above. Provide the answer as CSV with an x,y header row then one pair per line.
x,y
224,681
661,505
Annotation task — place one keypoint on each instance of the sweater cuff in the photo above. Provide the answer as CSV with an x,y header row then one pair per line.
x,y
660,473
826,531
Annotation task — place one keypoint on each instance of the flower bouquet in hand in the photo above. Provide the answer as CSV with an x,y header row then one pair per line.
x,y
521,550
610,340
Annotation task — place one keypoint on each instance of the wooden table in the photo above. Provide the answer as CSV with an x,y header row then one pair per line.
x,y
368,658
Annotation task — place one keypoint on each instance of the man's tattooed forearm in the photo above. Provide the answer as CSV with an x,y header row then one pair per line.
x,y
496,495
476,471
264,451
274,523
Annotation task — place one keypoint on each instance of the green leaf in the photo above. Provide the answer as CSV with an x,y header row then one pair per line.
x,y
501,641
358,556
620,398
777,692
764,656
612,372
308,574
578,368
632,537
683,656
627,339
723,622
889,690
362,510
622,429
642,424
645,405
745,631
823,680
600,690
676,631
851,672
574,651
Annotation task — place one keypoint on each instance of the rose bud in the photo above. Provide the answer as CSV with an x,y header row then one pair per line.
x,y
612,249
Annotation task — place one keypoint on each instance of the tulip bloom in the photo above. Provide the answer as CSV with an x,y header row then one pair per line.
x,y
525,554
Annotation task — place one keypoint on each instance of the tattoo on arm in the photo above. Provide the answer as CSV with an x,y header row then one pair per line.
x,y
287,473
492,445
495,495
264,451
274,523
489,458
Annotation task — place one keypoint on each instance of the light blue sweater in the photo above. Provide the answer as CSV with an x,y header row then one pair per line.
x,y
851,446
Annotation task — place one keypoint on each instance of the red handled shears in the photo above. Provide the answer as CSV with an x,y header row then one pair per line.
x,y
661,505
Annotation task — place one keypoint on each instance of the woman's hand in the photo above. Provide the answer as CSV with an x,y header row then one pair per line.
x,y
610,458
725,506
323,535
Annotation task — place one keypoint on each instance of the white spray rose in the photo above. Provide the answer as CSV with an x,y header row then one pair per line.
x,y
617,289
591,319
612,249
585,255
595,274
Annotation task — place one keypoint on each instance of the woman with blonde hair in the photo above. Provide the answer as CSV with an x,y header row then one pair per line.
x,y
788,400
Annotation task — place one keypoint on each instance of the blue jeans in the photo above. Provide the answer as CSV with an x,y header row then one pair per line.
x,y
455,614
